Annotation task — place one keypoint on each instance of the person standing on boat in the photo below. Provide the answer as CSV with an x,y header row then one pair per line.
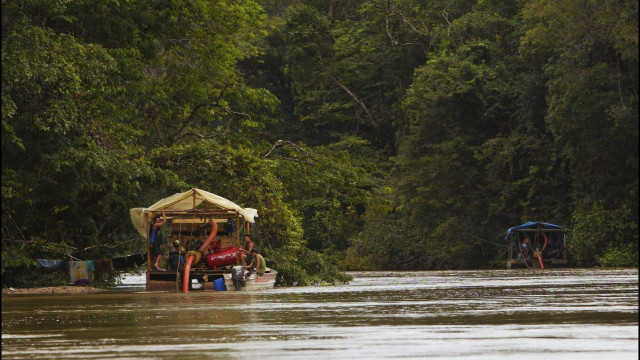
x,y
525,247
245,252
155,239
257,265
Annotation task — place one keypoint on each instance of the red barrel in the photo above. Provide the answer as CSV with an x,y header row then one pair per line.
x,y
222,258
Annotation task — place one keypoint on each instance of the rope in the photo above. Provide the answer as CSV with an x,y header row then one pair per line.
x,y
520,250
178,267
490,242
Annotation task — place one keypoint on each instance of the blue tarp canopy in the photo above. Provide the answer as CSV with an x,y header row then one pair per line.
x,y
531,225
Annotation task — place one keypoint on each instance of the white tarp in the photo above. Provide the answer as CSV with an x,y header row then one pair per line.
x,y
184,201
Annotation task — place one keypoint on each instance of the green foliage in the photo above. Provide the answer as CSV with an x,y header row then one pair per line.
x,y
240,175
592,96
604,237
436,172
73,155
330,186
103,280
623,256
66,184
18,258
385,244
585,53
302,267
30,276
370,134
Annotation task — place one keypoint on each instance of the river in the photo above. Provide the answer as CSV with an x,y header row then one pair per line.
x,y
485,314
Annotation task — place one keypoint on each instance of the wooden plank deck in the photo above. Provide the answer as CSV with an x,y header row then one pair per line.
x,y
521,263
172,280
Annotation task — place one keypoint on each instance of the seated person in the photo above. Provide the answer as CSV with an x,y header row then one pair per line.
x,y
257,265
176,259
245,252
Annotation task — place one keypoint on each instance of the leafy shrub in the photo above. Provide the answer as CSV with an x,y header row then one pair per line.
x,y
624,256
605,237
28,277
302,267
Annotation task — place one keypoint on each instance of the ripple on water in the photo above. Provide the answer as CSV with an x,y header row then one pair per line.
x,y
556,314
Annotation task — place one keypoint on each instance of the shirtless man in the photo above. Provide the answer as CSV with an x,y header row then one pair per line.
x,y
245,252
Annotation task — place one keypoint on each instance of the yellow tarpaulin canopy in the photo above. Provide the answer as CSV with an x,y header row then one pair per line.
x,y
187,200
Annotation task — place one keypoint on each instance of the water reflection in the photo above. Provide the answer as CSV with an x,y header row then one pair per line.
x,y
411,315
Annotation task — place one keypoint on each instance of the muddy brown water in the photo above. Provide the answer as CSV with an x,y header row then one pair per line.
x,y
491,314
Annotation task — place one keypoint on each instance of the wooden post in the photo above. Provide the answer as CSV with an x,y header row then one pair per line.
x,y
238,230
238,238
148,243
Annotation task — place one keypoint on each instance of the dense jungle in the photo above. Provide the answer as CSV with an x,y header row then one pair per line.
x,y
378,134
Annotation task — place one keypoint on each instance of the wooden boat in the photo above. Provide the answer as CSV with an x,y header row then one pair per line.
x,y
536,245
206,229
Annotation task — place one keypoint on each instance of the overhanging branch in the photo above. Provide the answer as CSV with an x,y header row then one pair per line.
x,y
297,148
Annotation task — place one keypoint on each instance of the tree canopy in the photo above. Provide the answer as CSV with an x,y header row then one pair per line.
x,y
369,134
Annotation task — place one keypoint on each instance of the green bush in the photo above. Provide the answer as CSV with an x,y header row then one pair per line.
x,y
302,267
603,236
625,256
29,277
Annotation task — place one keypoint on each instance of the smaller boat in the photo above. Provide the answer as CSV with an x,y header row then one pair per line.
x,y
536,245
236,280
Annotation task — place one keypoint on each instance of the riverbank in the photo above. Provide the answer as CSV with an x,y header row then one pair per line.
x,y
52,290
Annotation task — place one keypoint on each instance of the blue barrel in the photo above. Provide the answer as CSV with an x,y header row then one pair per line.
x,y
219,285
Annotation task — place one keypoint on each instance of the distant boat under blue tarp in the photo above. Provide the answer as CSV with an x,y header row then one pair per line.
x,y
531,225
536,245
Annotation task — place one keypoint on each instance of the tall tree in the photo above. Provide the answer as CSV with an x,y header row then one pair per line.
x,y
67,181
588,51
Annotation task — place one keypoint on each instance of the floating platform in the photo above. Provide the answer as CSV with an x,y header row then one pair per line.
x,y
172,280
536,245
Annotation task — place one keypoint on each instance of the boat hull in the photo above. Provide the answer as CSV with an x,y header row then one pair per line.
x,y
254,282
172,281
